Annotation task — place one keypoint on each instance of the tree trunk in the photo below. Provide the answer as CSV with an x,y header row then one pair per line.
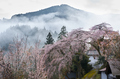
x,y
79,71
99,52
66,75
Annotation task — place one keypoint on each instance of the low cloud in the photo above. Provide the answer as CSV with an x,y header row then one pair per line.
x,y
34,27
32,34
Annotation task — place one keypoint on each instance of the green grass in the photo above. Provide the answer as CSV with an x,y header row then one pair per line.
x,y
90,74
97,76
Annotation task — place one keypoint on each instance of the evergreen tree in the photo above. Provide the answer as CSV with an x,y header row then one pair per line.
x,y
55,33
62,33
44,28
84,64
49,39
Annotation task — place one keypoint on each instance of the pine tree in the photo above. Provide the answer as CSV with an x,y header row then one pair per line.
x,y
49,39
62,33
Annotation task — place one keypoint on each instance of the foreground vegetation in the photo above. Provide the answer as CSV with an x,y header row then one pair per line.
x,y
54,61
91,74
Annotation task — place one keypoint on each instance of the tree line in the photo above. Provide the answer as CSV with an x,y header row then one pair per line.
x,y
50,40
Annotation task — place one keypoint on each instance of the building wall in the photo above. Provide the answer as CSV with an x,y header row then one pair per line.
x,y
71,75
103,75
110,76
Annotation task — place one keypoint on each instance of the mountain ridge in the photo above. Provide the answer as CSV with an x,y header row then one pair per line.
x,y
52,18
58,8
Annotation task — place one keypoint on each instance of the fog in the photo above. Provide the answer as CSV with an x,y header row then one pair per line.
x,y
33,35
33,27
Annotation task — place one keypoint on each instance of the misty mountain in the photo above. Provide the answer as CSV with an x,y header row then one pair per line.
x,y
56,16
22,32
33,24
63,10
53,18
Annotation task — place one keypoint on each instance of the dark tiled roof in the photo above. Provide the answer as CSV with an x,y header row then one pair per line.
x,y
114,66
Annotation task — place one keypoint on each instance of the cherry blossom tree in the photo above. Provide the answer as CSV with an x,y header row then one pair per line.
x,y
105,41
58,56
5,69
25,61
55,60
22,61
113,47
100,33
16,55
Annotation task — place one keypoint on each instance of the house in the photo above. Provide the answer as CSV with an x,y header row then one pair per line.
x,y
103,74
112,70
71,75
93,54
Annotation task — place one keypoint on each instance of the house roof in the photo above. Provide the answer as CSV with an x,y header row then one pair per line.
x,y
92,52
104,69
114,66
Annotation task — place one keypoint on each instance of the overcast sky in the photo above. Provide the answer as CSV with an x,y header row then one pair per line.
x,y
11,7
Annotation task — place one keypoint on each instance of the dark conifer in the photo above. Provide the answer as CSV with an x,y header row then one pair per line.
x,y
62,33
49,39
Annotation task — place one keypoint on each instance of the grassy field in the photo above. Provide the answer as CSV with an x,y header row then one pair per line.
x,y
97,76
92,75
